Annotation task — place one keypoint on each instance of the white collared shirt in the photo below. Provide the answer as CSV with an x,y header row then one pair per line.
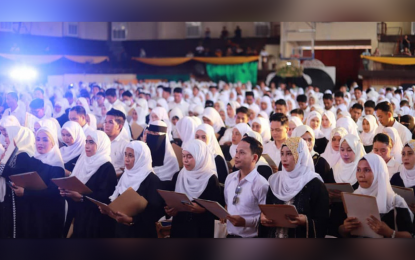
x,y
403,132
273,152
118,146
254,188
183,106
19,113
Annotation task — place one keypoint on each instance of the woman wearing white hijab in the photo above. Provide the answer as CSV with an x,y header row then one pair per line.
x,y
95,170
197,179
159,113
293,123
60,107
396,143
266,105
328,123
175,115
6,121
163,103
139,176
14,162
141,102
206,134
382,146
261,126
351,151
299,185
45,209
83,103
369,126
91,121
138,117
396,220
231,113
165,162
212,117
307,134
406,175
348,124
314,121
186,128
238,133
74,138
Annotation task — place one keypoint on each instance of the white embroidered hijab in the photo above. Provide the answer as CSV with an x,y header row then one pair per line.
x,y
286,185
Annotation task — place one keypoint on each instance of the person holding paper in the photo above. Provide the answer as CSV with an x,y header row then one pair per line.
x,y
382,146
12,164
332,152
138,175
95,170
206,134
299,185
74,138
244,190
320,164
165,162
197,179
351,151
45,212
396,218
406,174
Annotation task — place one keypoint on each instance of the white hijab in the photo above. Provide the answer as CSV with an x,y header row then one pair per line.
x,y
317,132
348,124
211,140
346,172
77,133
194,182
332,119
92,121
85,105
408,176
141,116
267,100
242,128
64,104
286,185
299,131
53,157
138,173
381,188
214,116
231,122
397,146
330,155
87,166
7,121
367,138
186,127
141,102
265,129
25,141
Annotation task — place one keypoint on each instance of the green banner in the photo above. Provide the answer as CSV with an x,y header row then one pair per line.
x,y
234,73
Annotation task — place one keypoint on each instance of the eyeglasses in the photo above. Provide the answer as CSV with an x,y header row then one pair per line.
x,y
237,192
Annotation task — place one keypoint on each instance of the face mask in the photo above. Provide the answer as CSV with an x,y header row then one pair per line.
x,y
128,102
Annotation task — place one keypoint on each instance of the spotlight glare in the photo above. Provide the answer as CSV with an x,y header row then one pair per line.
x,y
23,74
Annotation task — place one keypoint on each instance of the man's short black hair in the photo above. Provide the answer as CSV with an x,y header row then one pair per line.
x,y
357,106
96,86
242,110
37,103
297,111
383,138
302,98
84,93
328,96
338,94
388,89
249,93
127,94
359,88
119,116
398,91
101,94
13,95
279,117
254,145
178,90
80,110
281,102
370,103
68,94
167,89
41,90
385,107
404,103
112,92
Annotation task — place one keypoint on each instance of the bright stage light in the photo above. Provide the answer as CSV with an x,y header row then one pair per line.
x,y
23,74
